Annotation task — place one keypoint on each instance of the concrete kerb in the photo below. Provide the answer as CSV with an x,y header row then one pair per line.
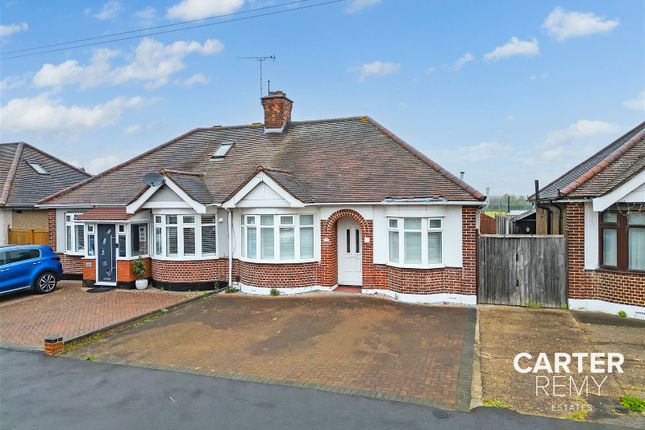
x,y
476,395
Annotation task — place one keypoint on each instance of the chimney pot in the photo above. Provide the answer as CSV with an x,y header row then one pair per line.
x,y
277,110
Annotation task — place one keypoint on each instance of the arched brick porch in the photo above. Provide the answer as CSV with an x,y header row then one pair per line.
x,y
329,247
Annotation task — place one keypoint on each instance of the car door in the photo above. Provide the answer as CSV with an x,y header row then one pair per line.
x,y
4,272
20,264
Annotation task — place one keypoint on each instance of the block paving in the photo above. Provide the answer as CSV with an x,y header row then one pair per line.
x,y
343,343
26,319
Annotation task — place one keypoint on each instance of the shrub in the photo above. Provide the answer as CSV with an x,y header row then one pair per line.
x,y
138,268
622,314
275,292
633,403
230,290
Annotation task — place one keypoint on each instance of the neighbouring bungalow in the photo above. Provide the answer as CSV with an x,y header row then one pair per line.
x,y
293,205
28,175
599,206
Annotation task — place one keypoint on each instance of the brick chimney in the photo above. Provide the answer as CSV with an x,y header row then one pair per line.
x,y
277,110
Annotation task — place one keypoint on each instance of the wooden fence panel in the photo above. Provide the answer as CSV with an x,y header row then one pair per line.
x,y
28,237
522,270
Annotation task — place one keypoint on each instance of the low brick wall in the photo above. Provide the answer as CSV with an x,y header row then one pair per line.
x,y
72,266
424,281
279,275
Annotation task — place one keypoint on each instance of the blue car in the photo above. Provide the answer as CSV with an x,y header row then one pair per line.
x,y
29,267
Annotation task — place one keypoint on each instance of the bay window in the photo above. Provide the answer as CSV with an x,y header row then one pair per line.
x,y
622,240
278,237
74,234
415,241
185,236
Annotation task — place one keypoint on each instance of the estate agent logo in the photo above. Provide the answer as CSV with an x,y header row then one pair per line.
x,y
569,375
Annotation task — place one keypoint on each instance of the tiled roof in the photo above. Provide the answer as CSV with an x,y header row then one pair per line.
x,y
326,161
21,185
192,184
603,171
105,214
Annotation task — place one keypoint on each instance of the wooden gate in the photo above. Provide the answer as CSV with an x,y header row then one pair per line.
x,y
28,236
522,270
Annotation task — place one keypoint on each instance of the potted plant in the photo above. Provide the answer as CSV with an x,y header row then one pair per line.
x,y
139,270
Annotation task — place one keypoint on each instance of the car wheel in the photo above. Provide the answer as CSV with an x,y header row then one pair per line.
x,y
45,283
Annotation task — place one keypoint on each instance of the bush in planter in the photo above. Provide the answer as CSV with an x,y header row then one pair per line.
x,y
139,268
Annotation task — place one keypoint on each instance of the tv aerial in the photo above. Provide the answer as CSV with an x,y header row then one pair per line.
x,y
260,60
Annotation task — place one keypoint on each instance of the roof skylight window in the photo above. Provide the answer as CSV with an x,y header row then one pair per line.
x,y
223,149
37,167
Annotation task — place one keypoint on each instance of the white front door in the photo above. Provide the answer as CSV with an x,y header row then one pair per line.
x,y
350,268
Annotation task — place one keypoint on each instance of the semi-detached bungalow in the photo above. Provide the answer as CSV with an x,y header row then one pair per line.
x,y
293,205
599,206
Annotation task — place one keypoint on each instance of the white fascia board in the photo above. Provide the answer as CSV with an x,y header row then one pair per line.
x,y
138,203
438,203
603,202
262,177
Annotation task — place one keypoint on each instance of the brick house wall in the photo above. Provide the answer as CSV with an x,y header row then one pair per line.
x,y
279,275
616,287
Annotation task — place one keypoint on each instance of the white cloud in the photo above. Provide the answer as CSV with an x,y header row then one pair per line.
x,y
146,16
480,152
514,47
577,139
376,68
358,5
152,62
538,76
461,62
132,129
562,24
430,70
8,30
197,78
100,164
14,81
110,10
637,103
199,9
41,113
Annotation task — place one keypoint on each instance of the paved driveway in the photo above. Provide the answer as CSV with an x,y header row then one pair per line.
x,y
506,330
70,311
358,345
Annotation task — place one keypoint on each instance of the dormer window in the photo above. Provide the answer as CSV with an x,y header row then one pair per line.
x,y
37,168
222,150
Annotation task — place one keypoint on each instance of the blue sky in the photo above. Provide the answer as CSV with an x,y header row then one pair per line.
x,y
507,91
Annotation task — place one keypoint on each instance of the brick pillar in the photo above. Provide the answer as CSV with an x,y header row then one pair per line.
x,y
469,249
53,345
580,285
51,226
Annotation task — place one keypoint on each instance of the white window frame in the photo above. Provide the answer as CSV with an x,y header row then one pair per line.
x,y
197,225
71,223
297,226
425,229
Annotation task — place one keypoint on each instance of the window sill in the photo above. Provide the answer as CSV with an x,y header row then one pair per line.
x,y
75,254
618,271
133,257
184,258
416,266
254,261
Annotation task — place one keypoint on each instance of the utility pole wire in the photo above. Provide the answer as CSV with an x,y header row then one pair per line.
x,y
174,30
107,36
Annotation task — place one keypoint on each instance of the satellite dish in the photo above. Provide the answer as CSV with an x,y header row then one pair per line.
x,y
153,179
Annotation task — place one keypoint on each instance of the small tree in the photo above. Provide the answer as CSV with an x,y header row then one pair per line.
x,y
139,268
